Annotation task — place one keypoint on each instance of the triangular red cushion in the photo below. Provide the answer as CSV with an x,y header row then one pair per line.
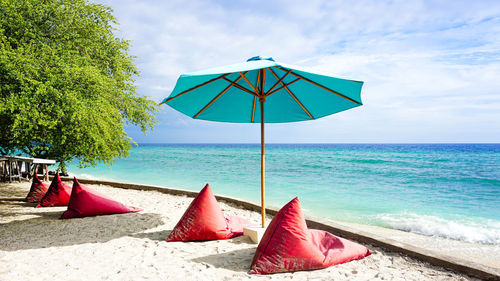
x,y
37,190
86,202
57,195
287,245
204,220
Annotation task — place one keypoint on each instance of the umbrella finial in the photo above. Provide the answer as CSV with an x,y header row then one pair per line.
x,y
260,58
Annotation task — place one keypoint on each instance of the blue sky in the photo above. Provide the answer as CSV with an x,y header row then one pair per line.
x,y
431,68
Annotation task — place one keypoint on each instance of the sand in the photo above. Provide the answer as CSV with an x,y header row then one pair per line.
x,y
36,245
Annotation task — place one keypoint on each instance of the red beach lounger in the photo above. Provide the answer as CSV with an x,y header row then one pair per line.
x,y
287,245
204,220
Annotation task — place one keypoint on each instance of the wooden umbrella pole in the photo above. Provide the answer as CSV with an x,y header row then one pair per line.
x,y
262,163
262,99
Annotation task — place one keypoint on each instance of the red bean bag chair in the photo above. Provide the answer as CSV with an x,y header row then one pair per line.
x,y
37,190
57,195
204,220
287,245
86,202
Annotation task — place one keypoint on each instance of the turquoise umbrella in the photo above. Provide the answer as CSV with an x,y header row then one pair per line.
x,y
240,92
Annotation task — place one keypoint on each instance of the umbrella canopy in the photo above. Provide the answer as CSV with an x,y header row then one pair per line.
x,y
240,92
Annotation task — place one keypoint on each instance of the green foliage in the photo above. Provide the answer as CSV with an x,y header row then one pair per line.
x,y
66,82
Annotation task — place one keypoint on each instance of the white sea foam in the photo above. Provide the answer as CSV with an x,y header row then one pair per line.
x,y
83,176
483,231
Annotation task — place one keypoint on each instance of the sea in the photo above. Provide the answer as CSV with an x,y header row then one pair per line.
x,y
442,190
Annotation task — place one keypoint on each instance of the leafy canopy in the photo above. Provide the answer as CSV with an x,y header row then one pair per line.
x,y
66,82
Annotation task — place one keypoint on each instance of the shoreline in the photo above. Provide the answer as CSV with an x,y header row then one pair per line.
x,y
349,231
433,190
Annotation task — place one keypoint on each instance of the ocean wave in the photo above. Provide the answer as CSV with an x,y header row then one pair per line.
x,y
370,161
83,176
484,231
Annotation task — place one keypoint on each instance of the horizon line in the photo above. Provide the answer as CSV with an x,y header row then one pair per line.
x,y
258,143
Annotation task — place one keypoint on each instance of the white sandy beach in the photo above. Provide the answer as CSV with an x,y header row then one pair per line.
x,y
36,245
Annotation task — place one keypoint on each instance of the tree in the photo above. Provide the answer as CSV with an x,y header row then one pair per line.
x,y
67,83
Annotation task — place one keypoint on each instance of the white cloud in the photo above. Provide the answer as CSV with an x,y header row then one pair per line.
x,y
430,68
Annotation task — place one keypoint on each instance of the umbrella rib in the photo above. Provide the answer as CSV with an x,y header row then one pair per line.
x,y
253,109
246,79
257,83
218,96
283,86
239,86
263,83
323,87
293,96
279,80
255,97
195,87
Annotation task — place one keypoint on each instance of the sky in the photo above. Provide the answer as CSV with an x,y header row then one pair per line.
x,y
431,68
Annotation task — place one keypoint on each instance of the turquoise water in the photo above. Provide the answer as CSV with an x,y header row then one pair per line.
x,y
447,190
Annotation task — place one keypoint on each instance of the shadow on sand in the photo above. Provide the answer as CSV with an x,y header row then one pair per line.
x,y
26,227
237,260
47,230
155,236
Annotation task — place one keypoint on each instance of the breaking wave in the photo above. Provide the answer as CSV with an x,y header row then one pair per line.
x,y
484,231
